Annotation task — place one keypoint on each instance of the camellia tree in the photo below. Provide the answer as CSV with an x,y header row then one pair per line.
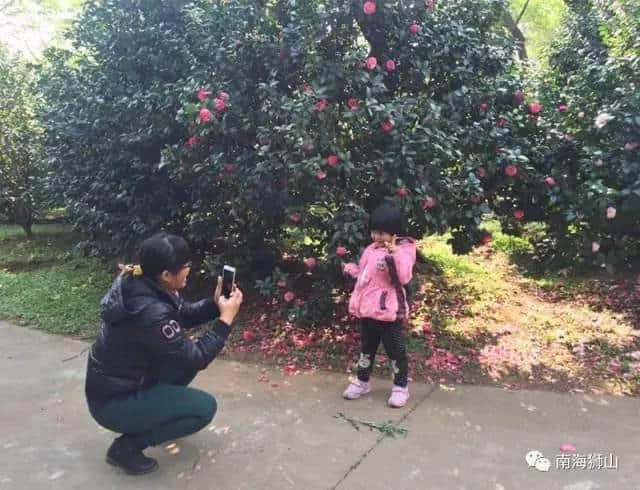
x,y
21,150
583,181
314,113
267,130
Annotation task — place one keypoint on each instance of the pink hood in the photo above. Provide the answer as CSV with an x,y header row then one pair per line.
x,y
379,292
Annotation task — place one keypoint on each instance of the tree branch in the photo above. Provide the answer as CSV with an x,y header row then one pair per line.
x,y
6,5
524,9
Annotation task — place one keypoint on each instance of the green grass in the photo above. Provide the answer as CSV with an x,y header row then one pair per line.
x,y
50,243
45,285
470,277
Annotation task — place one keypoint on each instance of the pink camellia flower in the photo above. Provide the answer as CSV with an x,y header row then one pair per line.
x,y
602,119
632,145
487,239
535,108
223,95
296,217
550,181
430,4
281,283
403,192
390,65
307,88
518,214
580,115
229,167
289,296
502,122
191,142
611,212
219,105
321,175
310,262
482,172
202,95
595,246
332,160
518,96
372,62
321,105
511,170
429,203
353,104
248,336
563,107
484,106
598,162
388,125
414,28
369,8
205,115
341,251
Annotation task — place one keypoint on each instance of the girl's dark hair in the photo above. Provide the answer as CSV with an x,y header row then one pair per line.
x,y
163,252
386,217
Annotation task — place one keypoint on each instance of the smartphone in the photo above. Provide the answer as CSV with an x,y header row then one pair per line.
x,y
228,280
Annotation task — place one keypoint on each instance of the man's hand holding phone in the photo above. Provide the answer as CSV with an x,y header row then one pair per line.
x,y
227,296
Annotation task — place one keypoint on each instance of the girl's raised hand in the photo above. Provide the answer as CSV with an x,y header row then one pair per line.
x,y
391,246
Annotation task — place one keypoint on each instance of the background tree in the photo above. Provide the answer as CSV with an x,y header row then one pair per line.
x,y
21,150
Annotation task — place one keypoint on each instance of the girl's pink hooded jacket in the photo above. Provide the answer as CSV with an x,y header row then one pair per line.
x,y
379,292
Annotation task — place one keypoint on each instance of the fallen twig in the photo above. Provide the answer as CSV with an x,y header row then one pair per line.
x,y
77,355
388,428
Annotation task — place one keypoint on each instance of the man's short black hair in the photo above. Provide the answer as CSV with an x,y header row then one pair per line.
x,y
386,217
163,252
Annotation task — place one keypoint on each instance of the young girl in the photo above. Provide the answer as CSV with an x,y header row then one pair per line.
x,y
379,301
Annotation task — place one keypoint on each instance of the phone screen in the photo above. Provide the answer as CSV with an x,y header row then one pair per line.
x,y
228,278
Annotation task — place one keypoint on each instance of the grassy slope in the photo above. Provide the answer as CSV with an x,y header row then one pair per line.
x,y
44,284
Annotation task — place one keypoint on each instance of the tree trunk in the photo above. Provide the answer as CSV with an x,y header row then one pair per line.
x,y
372,27
23,214
518,36
27,229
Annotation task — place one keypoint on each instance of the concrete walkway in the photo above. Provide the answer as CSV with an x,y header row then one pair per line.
x,y
282,433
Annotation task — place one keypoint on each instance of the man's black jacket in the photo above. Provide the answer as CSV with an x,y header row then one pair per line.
x,y
143,333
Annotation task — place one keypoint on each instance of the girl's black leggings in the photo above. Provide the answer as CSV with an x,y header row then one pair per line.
x,y
393,338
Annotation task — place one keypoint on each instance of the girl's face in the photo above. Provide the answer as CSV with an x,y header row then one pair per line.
x,y
380,237
178,280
